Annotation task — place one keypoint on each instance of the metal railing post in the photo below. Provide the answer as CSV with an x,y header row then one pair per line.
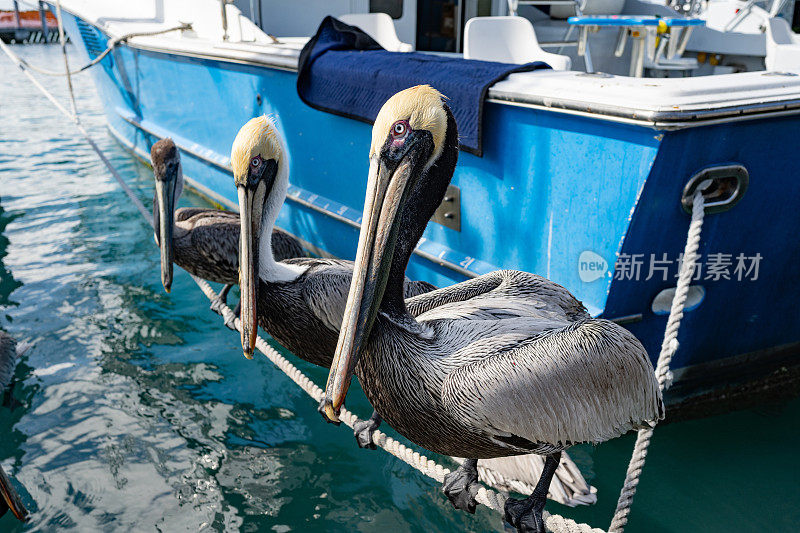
x,y
224,6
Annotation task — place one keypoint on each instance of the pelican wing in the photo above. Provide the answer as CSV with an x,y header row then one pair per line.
x,y
325,288
187,213
500,295
328,284
588,381
216,240
415,288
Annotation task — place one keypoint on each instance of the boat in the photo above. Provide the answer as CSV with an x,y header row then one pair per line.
x,y
17,26
586,171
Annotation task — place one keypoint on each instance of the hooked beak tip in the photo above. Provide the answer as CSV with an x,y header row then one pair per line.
x,y
330,413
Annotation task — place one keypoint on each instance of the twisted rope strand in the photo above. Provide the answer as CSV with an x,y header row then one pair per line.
x,y
663,374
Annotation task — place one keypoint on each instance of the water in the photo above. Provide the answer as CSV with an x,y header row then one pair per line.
x,y
135,410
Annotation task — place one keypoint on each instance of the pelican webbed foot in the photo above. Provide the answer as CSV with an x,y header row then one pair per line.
x,y
461,486
526,515
364,429
9,499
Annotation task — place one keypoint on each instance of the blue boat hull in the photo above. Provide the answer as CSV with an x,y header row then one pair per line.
x,y
550,188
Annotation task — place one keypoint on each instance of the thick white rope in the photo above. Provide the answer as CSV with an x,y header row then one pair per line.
x,y
663,374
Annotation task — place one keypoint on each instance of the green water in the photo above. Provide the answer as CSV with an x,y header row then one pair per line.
x,y
135,410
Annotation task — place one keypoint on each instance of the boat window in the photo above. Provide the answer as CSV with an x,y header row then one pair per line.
x,y
437,26
393,8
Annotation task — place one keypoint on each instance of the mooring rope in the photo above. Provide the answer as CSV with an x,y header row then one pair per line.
x,y
112,43
663,374
488,497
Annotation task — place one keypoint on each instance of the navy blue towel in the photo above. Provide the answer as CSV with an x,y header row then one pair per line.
x,y
342,70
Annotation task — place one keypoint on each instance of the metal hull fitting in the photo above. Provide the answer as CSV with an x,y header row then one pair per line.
x,y
561,193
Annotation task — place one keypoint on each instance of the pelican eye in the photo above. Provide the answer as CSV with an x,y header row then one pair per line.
x,y
399,129
256,161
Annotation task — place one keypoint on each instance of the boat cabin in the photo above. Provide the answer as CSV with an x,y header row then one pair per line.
x,y
621,37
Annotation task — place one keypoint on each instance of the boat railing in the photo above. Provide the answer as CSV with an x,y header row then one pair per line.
x,y
581,44
774,9
224,18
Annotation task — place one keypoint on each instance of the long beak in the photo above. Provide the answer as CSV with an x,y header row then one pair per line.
x,y
385,191
10,498
248,267
165,196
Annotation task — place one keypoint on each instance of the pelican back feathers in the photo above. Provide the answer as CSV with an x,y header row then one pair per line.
x,y
499,294
206,244
589,381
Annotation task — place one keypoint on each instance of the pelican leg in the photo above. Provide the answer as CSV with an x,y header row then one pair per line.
x,y
364,429
237,312
461,486
9,499
221,299
526,515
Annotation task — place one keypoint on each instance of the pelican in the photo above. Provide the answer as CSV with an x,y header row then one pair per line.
x,y
300,302
505,364
9,352
204,242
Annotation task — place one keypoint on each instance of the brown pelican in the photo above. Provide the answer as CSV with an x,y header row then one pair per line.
x,y
505,364
300,301
204,242
9,352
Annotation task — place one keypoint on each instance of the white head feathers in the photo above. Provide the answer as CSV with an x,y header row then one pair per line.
x,y
422,106
258,137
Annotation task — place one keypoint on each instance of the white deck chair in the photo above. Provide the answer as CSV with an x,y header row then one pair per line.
x,y
380,27
783,46
507,40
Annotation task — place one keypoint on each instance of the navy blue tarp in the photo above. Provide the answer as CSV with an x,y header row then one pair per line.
x,y
342,70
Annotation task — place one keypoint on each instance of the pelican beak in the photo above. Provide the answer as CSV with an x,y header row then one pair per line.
x,y
253,193
387,189
10,499
165,199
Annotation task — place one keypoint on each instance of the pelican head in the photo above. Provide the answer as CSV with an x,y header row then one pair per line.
x,y
260,173
169,184
412,158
